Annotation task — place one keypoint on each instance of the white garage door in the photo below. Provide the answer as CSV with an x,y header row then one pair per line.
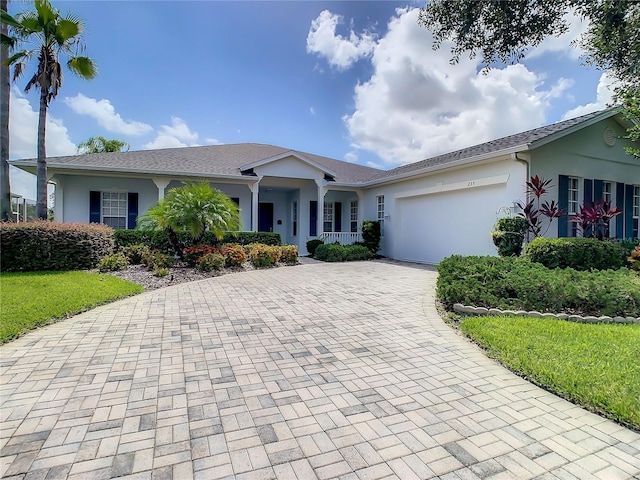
x,y
432,227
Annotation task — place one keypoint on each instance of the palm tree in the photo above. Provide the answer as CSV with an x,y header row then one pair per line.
x,y
50,35
5,188
194,209
102,145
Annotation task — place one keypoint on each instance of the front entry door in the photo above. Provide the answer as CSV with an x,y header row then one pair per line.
x,y
265,217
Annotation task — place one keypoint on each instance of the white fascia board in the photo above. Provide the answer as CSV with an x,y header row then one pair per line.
x,y
458,163
449,187
83,169
290,153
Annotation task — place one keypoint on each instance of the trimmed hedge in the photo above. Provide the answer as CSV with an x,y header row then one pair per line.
x,y
158,239
512,283
333,252
508,235
41,245
576,253
313,244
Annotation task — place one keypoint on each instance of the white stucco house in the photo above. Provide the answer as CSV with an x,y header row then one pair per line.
x,y
429,209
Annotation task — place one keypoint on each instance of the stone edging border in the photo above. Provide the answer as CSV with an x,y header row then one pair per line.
x,y
460,308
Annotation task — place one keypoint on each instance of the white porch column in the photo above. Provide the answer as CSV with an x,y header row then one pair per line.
x,y
360,209
255,189
322,190
161,183
58,205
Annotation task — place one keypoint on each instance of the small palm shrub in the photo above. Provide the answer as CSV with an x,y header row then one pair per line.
x,y
234,255
289,254
210,262
113,262
264,255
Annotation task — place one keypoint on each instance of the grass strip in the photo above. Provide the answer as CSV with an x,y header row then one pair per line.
x,y
31,299
593,365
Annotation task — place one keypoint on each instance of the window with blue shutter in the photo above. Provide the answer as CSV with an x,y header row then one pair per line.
x,y
132,212
563,203
313,218
620,205
95,202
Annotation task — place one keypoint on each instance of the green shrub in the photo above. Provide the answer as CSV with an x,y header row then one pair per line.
x,y
371,233
160,271
634,259
234,255
192,255
158,240
289,254
508,236
210,261
576,253
312,245
333,252
155,259
41,245
264,255
134,253
518,284
113,262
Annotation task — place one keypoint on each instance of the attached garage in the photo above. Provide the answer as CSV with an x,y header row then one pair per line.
x,y
436,222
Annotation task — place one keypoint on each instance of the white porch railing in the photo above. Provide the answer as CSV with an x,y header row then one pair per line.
x,y
343,238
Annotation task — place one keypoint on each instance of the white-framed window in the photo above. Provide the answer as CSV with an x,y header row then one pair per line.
x,y
353,215
380,210
294,218
607,192
327,217
113,209
573,206
635,212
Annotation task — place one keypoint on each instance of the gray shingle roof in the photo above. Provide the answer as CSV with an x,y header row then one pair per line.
x,y
227,160
523,138
211,160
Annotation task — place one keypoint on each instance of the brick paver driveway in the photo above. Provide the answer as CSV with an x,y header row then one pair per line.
x,y
311,371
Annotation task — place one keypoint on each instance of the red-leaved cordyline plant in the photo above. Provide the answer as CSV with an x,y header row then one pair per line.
x,y
593,220
535,210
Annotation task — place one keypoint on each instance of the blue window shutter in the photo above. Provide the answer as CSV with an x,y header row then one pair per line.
x,y
563,203
337,217
588,192
598,187
620,204
313,218
94,207
628,211
132,214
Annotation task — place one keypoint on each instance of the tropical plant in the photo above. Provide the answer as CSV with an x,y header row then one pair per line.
x,y
195,209
535,210
46,35
509,234
101,145
594,220
371,233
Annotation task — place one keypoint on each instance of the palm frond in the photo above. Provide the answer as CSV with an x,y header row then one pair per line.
x,y
6,40
66,30
84,67
8,20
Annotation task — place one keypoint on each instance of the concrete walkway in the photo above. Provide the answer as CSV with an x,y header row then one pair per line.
x,y
314,371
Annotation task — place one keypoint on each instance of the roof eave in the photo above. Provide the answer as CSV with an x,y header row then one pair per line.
x,y
448,165
289,153
137,171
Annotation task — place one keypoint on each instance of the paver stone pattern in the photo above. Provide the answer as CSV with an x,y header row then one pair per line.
x,y
314,371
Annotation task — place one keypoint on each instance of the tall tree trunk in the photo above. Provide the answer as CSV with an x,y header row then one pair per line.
x,y
41,172
5,187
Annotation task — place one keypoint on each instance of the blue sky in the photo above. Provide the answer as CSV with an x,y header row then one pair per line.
x,y
355,81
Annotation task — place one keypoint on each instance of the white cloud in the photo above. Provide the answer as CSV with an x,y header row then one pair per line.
x,y
416,104
312,110
173,136
23,137
105,114
604,98
351,157
213,141
339,51
567,43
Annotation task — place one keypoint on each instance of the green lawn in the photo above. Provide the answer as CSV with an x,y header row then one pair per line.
x,y
31,299
594,365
